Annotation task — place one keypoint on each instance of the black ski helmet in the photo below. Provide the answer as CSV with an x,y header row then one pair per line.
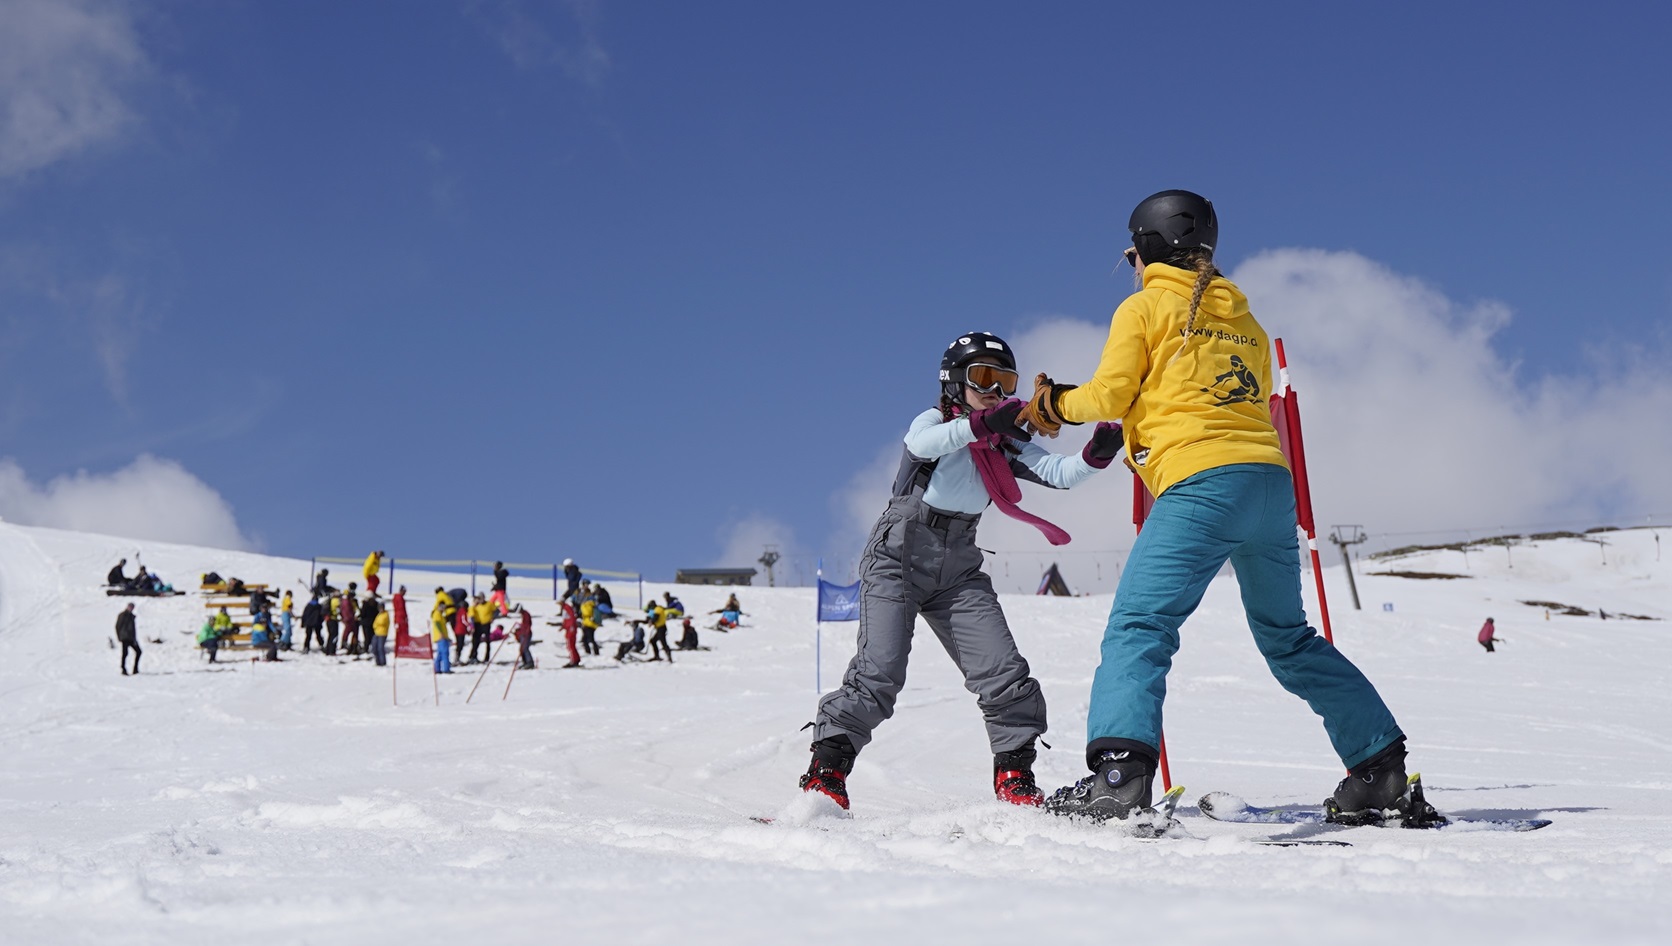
x,y
1167,225
965,349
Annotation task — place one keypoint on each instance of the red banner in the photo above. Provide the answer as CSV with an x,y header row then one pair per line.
x,y
408,644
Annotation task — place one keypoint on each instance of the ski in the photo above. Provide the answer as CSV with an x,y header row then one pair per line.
x,y
1413,811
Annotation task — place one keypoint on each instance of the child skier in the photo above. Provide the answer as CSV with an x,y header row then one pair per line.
x,y
688,635
1188,369
730,613
921,559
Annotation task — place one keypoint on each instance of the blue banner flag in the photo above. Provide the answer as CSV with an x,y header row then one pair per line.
x,y
838,602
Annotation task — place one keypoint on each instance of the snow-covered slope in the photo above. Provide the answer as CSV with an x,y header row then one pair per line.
x,y
293,803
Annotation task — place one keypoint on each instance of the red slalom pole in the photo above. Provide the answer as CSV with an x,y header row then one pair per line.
x,y
1141,503
1286,418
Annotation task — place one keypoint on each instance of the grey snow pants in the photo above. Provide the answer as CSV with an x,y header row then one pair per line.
x,y
919,560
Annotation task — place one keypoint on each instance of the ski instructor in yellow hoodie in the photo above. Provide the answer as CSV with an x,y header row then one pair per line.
x,y
1187,371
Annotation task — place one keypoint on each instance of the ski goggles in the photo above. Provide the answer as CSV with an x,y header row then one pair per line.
x,y
991,379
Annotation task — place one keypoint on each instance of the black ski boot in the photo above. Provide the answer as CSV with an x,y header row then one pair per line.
x,y
1373,789
1013,777
1120,786
828,772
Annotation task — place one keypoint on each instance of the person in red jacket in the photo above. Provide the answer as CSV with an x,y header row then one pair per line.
x,y
525,636
397,611
1487,635
462,630
351,620
569,624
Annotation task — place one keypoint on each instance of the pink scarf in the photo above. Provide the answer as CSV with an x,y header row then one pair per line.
x,y
994,466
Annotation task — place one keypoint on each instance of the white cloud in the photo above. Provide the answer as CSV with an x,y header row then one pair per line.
x,y
530,46
745,540
150,498
1414,421
65,66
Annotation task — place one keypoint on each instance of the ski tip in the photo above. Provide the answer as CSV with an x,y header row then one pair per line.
x,y
1174,792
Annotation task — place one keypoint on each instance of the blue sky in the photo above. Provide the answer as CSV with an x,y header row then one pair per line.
x,y
535,279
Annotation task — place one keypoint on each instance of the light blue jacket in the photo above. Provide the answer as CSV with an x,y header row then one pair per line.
x,y
956,484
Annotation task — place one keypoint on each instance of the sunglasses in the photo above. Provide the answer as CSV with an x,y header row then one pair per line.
x,y
1130,254
991,379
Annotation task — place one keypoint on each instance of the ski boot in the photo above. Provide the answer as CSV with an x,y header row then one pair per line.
x,y
1013,777
1372,790
1120,786
828,772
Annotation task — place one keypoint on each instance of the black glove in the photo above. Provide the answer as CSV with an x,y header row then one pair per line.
x,y
1105,444
999,419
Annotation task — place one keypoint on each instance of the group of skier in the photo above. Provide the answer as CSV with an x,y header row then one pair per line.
x,y
345,620
143,582
1211,458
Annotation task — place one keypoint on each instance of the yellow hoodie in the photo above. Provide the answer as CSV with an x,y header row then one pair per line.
x,y
484,612
1210,407
374,562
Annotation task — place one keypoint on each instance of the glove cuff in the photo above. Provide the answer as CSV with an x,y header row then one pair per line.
x,y
1096,463
1055,405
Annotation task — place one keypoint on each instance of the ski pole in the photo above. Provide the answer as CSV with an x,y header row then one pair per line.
x,y
489,663
513,678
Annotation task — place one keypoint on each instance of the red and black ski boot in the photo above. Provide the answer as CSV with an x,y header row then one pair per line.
x,y
1013,777
828,772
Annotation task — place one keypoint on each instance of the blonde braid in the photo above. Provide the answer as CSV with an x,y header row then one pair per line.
x,y
1205,273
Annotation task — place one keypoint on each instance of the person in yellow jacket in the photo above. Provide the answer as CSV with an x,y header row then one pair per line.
x,y
380,636
440,638
333,618
286,607
374,564
590,623
482,613
1187,370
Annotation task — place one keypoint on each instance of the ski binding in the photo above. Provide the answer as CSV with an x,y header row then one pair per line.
x,y
1411,811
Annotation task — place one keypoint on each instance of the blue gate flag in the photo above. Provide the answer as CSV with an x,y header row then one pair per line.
x,y
838,602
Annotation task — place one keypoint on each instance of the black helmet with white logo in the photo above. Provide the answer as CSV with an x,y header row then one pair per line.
x,y
1167,226
966,349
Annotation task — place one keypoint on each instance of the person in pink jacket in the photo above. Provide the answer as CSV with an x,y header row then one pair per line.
x,y
1486,635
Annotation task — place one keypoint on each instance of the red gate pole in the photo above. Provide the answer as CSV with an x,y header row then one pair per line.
x,y
1286,418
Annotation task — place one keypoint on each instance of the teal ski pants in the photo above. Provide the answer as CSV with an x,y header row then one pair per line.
x,y
1244,513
